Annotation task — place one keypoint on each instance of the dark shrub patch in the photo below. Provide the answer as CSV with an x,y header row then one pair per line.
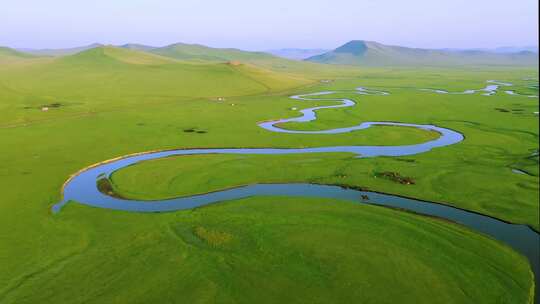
x,y
104,186
194,130
396,177
407,160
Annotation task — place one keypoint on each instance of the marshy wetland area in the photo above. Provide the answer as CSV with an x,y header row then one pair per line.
x,y
136,177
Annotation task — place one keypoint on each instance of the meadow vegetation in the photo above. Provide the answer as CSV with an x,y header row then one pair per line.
x,y
264,249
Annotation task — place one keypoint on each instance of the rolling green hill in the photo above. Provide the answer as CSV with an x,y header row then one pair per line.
x,y
112,77
294,68
9,54
200,52
111,55
369,53
5,51
62,51
137,46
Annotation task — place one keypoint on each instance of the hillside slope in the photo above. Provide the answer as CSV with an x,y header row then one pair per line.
x,y
61,51
115,76
5,51
137,46
200,52
286,67
111,55
9,54
369,53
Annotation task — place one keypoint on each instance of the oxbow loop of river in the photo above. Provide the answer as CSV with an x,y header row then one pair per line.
x,y
82,187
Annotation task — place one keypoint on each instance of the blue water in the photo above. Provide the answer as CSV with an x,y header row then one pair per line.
x,y
489,90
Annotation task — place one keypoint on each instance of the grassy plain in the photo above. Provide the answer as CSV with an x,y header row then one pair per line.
x,y
475,174
113,104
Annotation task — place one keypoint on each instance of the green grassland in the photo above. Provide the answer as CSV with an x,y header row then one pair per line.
x,y
274,249
181,176
479,168
269,250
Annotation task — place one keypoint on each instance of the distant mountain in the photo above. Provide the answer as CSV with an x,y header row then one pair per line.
x,y
60,52
113,54
296,54
369,53
181,51
188,53
184,51
513,49
75,50
137,46
499,50
9,52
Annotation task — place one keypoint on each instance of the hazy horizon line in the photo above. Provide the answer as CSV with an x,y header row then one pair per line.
x,y
266,49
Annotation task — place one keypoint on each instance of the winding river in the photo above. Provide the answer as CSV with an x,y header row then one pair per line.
x,y
81,187
490,89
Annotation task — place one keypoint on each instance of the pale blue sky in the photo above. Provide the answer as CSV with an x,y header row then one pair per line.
x,y
260,25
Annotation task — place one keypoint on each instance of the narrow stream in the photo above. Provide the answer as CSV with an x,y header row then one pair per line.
x,y
489,90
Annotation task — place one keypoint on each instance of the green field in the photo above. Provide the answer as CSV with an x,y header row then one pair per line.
x,y
108,102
